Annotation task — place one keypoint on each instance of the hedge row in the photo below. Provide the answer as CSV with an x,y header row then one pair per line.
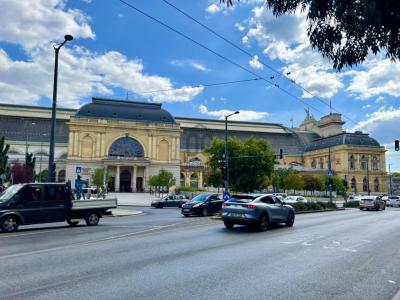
x,y
352,204
311,206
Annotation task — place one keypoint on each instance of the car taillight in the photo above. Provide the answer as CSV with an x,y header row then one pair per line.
x,y
252,206
225,205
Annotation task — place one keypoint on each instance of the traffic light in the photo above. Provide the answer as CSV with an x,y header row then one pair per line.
x,y
280,153
224,173
396,145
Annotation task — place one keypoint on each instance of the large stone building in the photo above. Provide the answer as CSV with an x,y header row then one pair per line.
x,y
135,140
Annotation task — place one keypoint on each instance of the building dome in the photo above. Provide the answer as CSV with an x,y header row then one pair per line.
x,y
354,139
125,110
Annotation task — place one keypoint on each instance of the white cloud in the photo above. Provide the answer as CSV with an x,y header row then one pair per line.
x,y
255,63
34,23
240,27
213,9
380,78
244,115
82,72
199,67
245,40
382,124
367,106
285,38
379,99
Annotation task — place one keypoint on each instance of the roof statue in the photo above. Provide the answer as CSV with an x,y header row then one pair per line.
x,y
309,116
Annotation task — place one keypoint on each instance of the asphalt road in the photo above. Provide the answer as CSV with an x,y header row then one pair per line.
x,y
161,255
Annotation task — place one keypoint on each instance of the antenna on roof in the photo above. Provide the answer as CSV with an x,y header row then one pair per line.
x,y
127,95
330,106
291,120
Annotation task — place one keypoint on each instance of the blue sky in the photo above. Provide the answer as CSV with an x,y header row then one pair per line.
x,y
117,51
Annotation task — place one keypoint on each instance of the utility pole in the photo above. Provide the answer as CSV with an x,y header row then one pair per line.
x,y
226,158
330,175
390,182
369,192
51,167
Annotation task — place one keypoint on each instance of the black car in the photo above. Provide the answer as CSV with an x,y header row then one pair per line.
x,y
202,205
170,201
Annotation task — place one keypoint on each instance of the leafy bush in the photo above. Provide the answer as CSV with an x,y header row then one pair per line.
x,y
352,204
312,206
186,189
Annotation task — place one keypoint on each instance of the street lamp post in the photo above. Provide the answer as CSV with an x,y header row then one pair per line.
x,y
51,168
369,192
226,160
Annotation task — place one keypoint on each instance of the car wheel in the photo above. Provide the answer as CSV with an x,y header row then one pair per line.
x,y
264,223
290,219
186,216
383,208
361,208
204,212
92,219
160,205
72,223
229,225
9,224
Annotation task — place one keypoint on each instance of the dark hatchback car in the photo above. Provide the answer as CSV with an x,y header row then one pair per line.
x,y
202,205
256,210
170,201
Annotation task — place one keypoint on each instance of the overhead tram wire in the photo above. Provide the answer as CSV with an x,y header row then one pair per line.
x,y
219,55
251,56
195,86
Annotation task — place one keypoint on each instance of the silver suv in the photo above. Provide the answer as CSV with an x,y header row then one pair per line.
x,y
372,202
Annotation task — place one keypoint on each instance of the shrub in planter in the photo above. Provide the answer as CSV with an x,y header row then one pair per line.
x,y
352,204
313,206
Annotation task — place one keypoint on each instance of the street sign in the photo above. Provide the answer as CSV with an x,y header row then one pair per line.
x,y
78,169
226,196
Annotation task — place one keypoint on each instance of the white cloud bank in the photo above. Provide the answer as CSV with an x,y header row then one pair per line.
x,y
82,72
244,115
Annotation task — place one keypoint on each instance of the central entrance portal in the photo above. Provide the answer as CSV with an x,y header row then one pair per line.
x,y
125,181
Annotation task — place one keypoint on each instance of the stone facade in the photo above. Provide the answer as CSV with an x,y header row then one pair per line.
x,y
95,136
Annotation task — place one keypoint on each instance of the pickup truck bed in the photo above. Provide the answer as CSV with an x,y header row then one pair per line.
x,y
94,203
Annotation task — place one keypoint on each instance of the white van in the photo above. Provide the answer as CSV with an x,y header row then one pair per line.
x,y
394,201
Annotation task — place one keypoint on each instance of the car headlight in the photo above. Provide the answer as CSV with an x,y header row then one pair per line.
x,y
197,205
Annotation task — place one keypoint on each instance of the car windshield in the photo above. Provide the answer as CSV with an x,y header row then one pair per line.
x,y
241,199
200,198
290,198
11,191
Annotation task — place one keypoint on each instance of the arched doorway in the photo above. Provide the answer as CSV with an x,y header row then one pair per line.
x,y
194,181
125,180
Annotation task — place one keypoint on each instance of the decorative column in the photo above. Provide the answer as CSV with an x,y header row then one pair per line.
x,y
103,146
76,144
98,141
117,180
71,143
178,148
150,148
145,179
187,178
133,184
200,184
173,149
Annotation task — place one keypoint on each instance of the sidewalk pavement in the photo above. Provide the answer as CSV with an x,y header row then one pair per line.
x,y
124,212
133,199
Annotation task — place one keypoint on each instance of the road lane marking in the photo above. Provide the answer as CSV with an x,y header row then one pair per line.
x,y
111,238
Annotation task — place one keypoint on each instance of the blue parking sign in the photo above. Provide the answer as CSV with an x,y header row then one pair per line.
x,y
78,169
226,196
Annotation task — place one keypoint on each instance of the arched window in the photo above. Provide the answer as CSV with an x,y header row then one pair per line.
x,y
61,176
126,147
313,163
353,184
196,162
365,184
374,163
321,163
164,150
194,180
352,163
376,184
363,162
182,182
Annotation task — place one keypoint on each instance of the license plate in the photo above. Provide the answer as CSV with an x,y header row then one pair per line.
x,y
235,215
186,209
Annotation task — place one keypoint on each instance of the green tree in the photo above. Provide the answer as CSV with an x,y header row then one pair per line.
x,y
312,183
164,179
100,176
337,183
278,177
43,176
30,160
4,169
249,162
347,31
213,177
294,182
